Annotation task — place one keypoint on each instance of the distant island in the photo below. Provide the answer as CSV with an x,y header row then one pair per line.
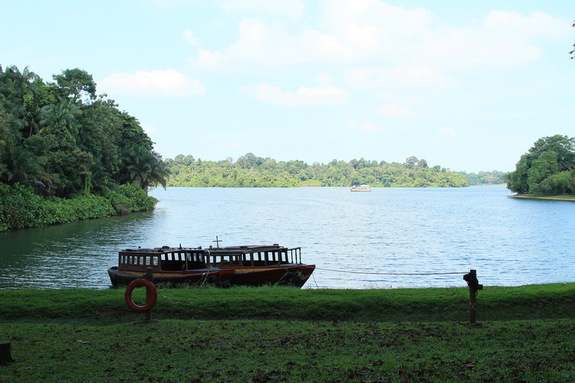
x,y
253,171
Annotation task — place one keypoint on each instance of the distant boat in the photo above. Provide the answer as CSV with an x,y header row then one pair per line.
x,y
253,265
360,188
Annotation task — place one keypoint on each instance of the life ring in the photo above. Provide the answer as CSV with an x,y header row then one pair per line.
x,y
151,295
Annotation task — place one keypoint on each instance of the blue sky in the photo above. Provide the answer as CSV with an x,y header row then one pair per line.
x,y
468,85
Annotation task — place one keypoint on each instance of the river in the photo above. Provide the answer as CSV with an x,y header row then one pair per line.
x,y
388,238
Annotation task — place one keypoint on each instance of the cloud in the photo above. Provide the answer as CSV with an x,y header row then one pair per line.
x,y
191,38
157,82
374,34
448,132
326,95
294,8
396,110
366,127
406,75
536,24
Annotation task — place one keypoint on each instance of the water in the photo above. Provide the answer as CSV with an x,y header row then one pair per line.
x,y
384,239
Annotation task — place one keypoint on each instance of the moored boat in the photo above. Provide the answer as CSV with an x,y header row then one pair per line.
x,y
253,265
360,188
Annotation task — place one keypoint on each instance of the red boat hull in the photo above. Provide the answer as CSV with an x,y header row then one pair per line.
x,y
240,276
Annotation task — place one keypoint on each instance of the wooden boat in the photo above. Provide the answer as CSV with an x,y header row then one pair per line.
x,y
360,188
253,265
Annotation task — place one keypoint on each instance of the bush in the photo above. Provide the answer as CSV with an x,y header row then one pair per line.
x,y
130,197
21,208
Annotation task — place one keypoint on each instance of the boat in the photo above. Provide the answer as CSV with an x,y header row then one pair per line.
x,y
360,188
253,265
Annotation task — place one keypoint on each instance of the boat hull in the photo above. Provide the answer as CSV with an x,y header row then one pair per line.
x,y
123,278
295,276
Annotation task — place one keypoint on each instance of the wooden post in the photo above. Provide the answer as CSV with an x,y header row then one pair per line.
x,y
474,286
5,352
472,308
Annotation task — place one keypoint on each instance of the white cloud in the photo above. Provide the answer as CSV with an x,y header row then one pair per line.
x,y
293,8
366,127
449,132
191,38
536,24
407,75
157,82
396,110
208,59
323,79
375,34
327,95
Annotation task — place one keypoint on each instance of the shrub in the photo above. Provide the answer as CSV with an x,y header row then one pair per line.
x,y
130,197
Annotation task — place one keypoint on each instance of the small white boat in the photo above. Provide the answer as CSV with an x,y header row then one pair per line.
x,y
360,188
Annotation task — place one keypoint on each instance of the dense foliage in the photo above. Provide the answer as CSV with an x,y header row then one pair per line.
x,y
67,154
548,168
62,140
252,171
494,177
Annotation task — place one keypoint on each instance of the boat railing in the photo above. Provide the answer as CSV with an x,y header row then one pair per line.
x,y
295,255
276,257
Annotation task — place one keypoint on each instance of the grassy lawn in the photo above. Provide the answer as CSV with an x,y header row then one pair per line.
x,y
524,334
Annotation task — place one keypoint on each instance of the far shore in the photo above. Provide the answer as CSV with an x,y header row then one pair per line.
x,y
549,197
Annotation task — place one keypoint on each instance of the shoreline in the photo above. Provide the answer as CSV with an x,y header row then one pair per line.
x,y
570,198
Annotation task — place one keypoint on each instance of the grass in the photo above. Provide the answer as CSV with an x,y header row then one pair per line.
x,y
524,334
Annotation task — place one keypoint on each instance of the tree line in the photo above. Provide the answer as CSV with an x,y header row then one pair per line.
x,y
62,140
253,171
59,140
548,168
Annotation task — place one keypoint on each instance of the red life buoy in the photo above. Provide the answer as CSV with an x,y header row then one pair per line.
x,y
151,295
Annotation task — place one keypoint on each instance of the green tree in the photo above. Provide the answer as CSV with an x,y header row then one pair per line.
x,y
75,83
536,171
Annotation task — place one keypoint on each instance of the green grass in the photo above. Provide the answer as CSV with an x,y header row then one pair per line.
x,y
524,334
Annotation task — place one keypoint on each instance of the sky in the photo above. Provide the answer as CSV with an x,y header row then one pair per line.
x,y
467,85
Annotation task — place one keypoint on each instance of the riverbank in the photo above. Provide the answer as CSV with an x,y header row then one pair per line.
x,y
21,208
551,198
282,334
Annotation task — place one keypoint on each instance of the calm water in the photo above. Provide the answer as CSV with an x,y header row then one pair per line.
x,y
383,239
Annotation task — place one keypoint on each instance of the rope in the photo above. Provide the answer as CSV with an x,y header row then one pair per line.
x,y
362,272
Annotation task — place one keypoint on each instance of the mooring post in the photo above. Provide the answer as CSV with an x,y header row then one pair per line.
x,y
5,352
474,286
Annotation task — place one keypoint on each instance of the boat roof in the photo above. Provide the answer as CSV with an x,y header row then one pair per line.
x,y
226,249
